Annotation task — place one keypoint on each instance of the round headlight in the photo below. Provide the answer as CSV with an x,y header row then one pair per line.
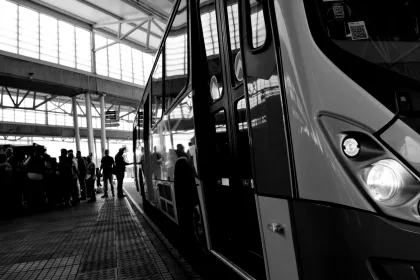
x,y
383,180
351,147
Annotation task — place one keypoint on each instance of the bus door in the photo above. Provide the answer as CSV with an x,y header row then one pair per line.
x,y
230,199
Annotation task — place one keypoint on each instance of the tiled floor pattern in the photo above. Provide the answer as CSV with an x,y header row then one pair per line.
x,y
102,240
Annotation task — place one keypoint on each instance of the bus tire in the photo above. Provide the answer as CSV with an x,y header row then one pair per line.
x,y
198,228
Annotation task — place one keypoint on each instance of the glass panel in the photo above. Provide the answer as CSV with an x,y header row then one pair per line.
x,y
49,38
138,65
28,32
180,136
233,30
114,60
83,49
8,26
222,169
67,44
102,62
244,155
258,30
385,33
176,57
126,63
211,42
157,93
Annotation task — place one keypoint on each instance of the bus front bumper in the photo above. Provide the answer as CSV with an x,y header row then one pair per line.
x,y
334,242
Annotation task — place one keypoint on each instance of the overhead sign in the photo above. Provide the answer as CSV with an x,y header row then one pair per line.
x,y
239,71
115,124
111,115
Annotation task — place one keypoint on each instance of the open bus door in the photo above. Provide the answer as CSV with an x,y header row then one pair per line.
x,y
228,183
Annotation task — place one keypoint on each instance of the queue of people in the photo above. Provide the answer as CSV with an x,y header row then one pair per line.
x,y
113,167
39,180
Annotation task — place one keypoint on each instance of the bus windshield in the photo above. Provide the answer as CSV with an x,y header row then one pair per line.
x,y
384,32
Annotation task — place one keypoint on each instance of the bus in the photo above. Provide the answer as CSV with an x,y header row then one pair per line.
x,y
282,137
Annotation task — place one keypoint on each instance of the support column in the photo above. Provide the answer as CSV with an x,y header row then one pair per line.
x,y
103,131
89,125
76,123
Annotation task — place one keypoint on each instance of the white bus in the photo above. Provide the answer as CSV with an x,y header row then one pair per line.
x,y
283,136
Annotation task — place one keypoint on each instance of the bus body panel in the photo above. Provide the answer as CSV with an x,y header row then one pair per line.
x,y
313,85
341,243
280,254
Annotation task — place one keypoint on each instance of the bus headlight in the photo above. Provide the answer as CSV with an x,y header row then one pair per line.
x,y
389,183
383,180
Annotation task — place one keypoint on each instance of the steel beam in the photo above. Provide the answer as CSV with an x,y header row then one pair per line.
x,y
45,101
23,98
136,45
11,98
89,125
144,7
127,114
134,28
75,123
133,20
158,26
148,34
122,37
93,6
84,114
96,108
103,128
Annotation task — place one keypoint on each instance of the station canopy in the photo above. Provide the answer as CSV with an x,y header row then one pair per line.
x,y
137,22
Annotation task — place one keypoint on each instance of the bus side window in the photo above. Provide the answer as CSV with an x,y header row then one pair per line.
x,y
259,32
176,56
211,43
245,167
157,92
233,18
222,154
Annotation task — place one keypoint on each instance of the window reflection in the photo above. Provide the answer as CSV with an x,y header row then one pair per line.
x,y
173,138
222,154
259,32
157,92
211,43
232,14
243,140
176,56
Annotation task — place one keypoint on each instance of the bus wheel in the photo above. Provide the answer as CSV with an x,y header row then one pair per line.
x,y
198,228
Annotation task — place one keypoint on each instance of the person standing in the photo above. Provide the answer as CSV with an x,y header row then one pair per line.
x,y
15,193
11,159
35,188
156,163
120,165
75,175
82,174
5,183
180,151
107,164
90,179
65,176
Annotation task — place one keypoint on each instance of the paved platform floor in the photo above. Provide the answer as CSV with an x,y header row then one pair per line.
x,y
101,240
